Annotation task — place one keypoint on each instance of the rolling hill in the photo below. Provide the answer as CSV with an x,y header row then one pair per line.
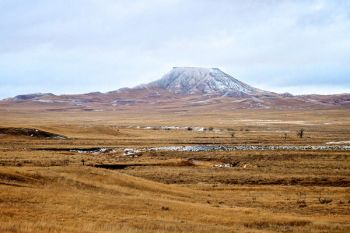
x,y
181,89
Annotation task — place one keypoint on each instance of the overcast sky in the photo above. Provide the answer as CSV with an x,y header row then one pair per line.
x,y
78,46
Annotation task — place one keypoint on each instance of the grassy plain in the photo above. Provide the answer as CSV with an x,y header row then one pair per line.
x,y
46,186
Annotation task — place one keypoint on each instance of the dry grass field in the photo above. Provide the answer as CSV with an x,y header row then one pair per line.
x,y
47,184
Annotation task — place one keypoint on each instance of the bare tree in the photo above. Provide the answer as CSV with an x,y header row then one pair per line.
x,y
300,133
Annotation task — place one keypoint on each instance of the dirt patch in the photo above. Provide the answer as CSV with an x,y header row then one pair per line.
x,y
91,150
29,132
181,163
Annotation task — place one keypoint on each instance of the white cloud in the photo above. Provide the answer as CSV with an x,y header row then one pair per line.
x,y
79,46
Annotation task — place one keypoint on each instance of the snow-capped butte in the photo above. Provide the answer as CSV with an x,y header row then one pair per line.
x,y
195,80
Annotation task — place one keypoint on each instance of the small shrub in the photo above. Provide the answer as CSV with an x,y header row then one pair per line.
x,y
301,203
65,162
165,208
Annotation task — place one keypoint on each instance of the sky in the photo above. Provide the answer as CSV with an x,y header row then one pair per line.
x,y
80,46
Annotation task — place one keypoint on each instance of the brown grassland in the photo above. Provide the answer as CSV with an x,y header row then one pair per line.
x,y
46,186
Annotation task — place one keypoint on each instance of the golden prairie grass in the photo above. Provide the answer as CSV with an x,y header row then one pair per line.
x,y
266,191
88,199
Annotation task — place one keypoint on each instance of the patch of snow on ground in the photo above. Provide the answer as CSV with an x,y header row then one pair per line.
x,y
338,143
251,147
264,122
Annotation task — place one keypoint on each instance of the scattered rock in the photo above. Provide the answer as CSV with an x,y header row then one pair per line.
x,y
224,165
92,150
324,200
248,165
132,152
